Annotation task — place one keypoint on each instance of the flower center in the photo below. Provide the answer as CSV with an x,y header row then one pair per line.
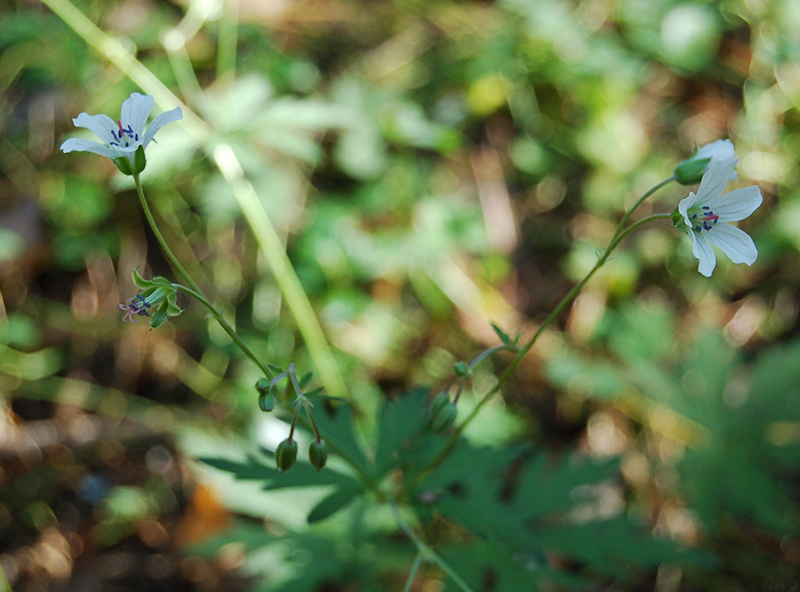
x,y
124,137
703,219
139,305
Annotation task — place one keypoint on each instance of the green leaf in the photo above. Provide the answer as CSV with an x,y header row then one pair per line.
x,y
547,483
400,425
486,566
301,475
334,502
616,547
502,335
335,423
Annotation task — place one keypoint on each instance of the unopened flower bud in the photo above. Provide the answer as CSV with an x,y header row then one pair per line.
x,y
286,454
266,401
439,401
318,454
444,417
461,369
691,170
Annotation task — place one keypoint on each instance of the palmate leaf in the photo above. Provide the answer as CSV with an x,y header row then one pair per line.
x,y
339,499
532,517
254,469
744,417
484,565
402,424
335,423
467,488
615,547
548,481
742,468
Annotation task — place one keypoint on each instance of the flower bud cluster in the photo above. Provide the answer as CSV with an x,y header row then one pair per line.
x,y
286,453
443,412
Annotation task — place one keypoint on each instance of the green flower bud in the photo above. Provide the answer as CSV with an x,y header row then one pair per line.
x,y
691,170
262,385
318,454
444,418
286,454
461,369
266,401
439,401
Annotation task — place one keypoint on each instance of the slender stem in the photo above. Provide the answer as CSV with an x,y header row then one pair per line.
x,y
227,328
477,360
413,573
639,202
194,291
228,39
230,167
164,246
285,275
426,551
619,234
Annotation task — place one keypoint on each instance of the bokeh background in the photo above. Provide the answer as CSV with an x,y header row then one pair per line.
x,y
431,167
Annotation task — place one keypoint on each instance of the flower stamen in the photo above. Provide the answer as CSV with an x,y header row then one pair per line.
x,y
137,305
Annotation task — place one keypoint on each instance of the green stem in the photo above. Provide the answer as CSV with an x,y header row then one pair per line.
x,y
478,359
272,248
227,328
413,573
619,234
194,290
426,551
282,269
639,202
160,238
228,40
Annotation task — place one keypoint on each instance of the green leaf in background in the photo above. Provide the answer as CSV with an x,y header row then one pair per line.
x,y
336,425
335,502
547,483
400,426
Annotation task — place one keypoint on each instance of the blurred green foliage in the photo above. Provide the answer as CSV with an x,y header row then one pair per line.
x,y
431,167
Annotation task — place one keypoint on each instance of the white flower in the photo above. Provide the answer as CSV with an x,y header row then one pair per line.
x,y
691,170
122,139
705,217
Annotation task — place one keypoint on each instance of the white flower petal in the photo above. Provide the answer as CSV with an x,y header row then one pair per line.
x,y
101,125
159,122
734,242
717,149
721,151
703,251
685,204
715,179
135,111
80,145
737,204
